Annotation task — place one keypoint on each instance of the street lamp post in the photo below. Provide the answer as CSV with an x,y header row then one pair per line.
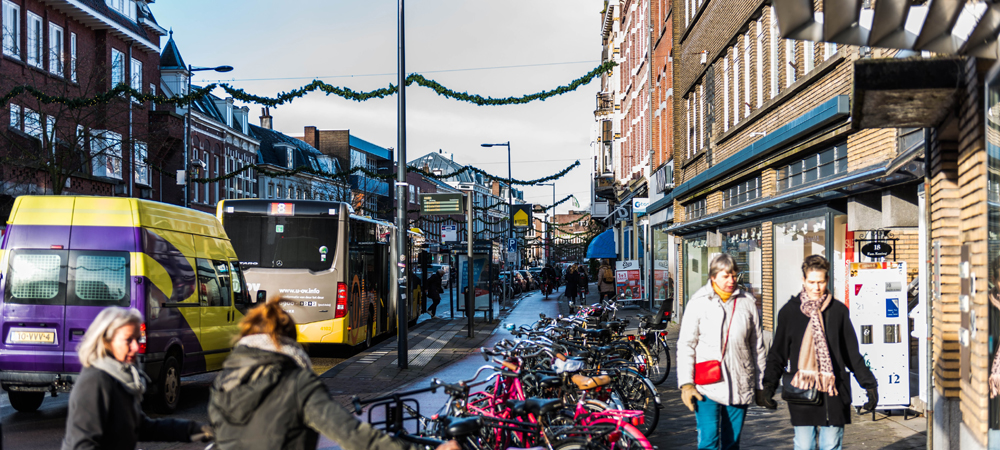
x,y
187,125
548,254
510,206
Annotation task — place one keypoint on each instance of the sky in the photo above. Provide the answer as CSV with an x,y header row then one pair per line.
x,y
494,48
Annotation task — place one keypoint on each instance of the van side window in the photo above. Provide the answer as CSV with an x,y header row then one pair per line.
x,y
208,284
100,278
240,292
37,277
222,269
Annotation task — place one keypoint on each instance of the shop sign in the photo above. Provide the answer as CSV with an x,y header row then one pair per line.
x,y
629,281
876,249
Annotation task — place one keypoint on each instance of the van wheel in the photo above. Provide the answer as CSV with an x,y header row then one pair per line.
x,y
26,401
169,386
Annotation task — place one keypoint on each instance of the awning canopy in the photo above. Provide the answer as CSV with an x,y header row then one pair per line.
x,y
603,246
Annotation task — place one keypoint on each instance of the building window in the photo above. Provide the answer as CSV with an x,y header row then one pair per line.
x,y
701,119
810,55
141,166
725,93
736,83
695,209
760,62
690,127
772,49
32,123
50,133
815,167
106,153
136,72
741,193
205,161
72,56
117,68
35,41
747,40
694,114
290,158
11,29
15,116
215,174
56,56
791,60
124,7
270,190
829,49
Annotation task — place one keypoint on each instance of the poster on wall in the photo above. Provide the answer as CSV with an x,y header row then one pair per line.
x,y
480,282
661,281
628,280
878,303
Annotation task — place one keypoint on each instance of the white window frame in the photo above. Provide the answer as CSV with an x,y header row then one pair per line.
x,y
106,149
687,129
205,192
135,70
36,40
117,67
290,157
72,56
760,62
57,49
215,174
736,83
11,29
829,49
15,116
141,152
694,114
810,55
747,46
701,119
32,123
773,52
725,93
791,59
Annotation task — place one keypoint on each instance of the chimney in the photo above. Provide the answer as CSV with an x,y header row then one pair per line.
x,y
310,135
265,118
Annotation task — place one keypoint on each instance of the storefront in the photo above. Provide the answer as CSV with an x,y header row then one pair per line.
x,y
803,234
744,245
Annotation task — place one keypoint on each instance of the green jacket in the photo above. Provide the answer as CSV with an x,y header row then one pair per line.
x,y
263,400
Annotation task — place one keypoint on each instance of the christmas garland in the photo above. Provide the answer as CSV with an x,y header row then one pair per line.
x,y
123,90
546,208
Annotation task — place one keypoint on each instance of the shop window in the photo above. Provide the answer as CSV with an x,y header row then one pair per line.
x,y
793,241
744,245
741,193
697,254
818,166
695,209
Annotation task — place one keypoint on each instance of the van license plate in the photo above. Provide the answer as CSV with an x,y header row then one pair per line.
x,y
31,336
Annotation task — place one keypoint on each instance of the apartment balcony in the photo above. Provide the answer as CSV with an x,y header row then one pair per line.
x,y
604,187
605,104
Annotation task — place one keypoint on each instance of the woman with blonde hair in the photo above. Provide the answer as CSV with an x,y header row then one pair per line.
x,y
267,396
104,410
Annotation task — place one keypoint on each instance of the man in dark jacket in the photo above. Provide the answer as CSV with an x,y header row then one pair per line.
x,y
433,291
815,339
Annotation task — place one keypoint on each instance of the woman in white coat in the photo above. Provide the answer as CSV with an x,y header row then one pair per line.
x,y
720,356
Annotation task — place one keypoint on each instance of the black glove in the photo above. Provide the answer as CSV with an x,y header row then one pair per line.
x,y
765,397
872,402
204,433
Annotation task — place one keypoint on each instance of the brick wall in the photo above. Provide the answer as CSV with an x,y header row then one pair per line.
x,y
945,207
871,146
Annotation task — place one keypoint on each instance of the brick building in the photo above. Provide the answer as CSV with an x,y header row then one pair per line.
x,y
369,196
79,49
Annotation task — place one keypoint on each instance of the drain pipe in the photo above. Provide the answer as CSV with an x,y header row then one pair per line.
x,y
930,299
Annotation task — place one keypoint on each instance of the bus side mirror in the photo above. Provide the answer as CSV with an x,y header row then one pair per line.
x,y
261,296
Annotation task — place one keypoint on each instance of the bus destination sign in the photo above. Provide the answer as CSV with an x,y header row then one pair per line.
x,y
442,204
281,209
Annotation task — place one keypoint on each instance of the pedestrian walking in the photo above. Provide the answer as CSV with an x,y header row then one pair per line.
x,y
584,283
720,356
267,396
813,348
434,291
572,285
104,406
606,280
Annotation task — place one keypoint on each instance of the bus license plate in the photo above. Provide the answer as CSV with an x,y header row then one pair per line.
x,y
31,336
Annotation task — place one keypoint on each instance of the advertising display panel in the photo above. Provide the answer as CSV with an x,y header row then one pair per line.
x,y
628,280
878,303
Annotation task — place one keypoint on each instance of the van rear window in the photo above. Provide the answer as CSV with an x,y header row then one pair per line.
x,y
35,276
101,278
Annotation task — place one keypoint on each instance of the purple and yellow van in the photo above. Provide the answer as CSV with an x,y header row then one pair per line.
x,y
63,259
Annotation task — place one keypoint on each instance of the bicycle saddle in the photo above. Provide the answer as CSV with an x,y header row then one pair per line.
x,y
534,405
550,382
458,427
585,383
509,366
595,333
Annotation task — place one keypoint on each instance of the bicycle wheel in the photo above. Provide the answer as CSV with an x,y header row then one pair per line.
x,y
661,361
637,393
626,436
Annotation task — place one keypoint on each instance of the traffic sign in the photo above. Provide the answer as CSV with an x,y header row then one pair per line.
x,y
512,245
444,204
522,215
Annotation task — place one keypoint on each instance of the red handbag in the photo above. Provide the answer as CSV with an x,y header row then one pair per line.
x,y
710,372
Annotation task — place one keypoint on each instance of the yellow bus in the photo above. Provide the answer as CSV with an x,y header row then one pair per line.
x,y
329,266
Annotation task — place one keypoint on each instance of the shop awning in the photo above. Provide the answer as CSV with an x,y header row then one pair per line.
x,y
603,246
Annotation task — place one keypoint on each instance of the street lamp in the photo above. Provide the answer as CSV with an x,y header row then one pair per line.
x,y
510,206
187,125
548,256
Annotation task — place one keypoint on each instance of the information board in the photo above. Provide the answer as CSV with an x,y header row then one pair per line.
x,y
480,281
661,281
628,280
878,303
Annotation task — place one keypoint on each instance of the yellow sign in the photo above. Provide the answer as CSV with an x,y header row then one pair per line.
x,y
522,215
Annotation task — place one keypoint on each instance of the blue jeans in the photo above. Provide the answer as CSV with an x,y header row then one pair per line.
x,y
830,438
719,422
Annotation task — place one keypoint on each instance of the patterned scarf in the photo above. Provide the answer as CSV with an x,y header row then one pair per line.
x,y
815,365
994,380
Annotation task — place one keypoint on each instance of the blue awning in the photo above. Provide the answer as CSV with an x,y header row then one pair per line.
x,y
603,246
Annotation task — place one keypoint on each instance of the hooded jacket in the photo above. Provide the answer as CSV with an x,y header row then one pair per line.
x,y
844,353
703,331
264,400
104,415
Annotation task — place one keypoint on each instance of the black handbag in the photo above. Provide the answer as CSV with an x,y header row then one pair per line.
x,y
796,396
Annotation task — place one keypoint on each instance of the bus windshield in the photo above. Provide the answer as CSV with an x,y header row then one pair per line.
x,y
283,242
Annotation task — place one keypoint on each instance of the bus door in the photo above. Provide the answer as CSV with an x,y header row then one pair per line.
x,y
217,313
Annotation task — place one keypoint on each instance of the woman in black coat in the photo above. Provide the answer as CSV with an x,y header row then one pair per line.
x,y
815,362
572,284
104,411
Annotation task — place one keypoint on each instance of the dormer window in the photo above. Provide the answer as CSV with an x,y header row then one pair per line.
x,y
291,158
126,8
